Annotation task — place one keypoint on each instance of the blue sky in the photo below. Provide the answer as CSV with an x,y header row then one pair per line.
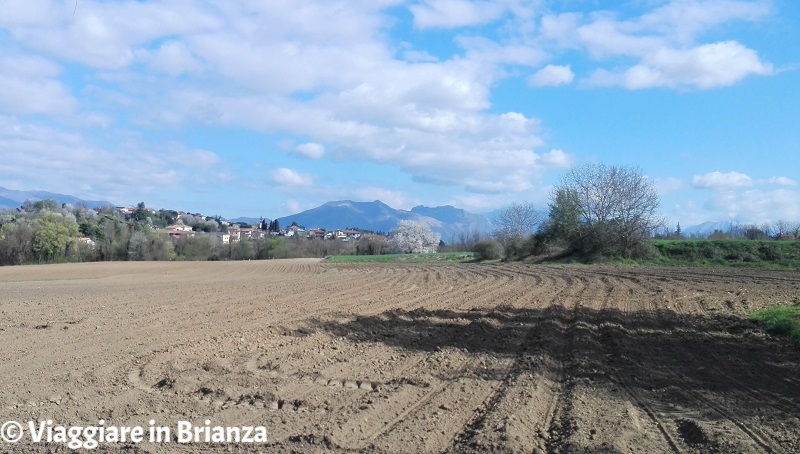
x,y
246,107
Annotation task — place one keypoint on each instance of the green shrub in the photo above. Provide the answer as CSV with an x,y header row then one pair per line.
x,y
731,252
488,250
781,320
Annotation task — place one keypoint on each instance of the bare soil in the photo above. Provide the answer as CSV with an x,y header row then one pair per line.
x,y
394,358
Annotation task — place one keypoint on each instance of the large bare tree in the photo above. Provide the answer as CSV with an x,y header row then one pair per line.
x,y
516,221
607,210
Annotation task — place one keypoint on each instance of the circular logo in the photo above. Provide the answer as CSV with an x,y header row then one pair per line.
x,y
11,432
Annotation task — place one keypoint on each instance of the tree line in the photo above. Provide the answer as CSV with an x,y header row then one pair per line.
x,y
595,211
598,211
44,232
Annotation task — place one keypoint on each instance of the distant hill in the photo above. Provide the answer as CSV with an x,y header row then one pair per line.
x,y
706,228
10,198
455,218
377,216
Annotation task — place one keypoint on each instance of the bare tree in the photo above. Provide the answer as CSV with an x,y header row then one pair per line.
x,y
464,240
605,210
785,230
795,229
516,221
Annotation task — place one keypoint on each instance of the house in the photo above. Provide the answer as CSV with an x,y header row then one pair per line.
x,y
179,228
293,230
234,233
180,233
220,237
87,241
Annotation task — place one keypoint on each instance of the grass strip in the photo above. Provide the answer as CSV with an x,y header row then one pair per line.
x,y
781,320
437,257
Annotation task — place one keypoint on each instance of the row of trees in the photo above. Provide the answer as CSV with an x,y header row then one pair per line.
x,y
597,210
43,232
779,230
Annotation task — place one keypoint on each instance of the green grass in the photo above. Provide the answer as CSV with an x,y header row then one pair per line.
x,y
781,320
733,253
438,257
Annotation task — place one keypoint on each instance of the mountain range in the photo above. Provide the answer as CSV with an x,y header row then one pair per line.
x,y
709,227
376,216
10,198
447,220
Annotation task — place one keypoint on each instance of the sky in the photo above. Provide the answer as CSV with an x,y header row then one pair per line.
x,y
270,107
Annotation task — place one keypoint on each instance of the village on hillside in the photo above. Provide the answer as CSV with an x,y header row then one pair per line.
x,y
224,231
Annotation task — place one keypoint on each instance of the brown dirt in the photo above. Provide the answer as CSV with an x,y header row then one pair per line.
x,y
405,358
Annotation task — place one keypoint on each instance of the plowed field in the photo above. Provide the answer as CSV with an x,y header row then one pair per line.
x,y
400,358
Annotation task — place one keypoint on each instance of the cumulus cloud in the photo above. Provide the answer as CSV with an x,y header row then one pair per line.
x,y
663,44
707,66
393,198
102,35
289,177
335,75
735,180
719,180
310,150
454,13
552,76
781,181
31,86
67,163
557,159
174,58
425,117
756,206
684,20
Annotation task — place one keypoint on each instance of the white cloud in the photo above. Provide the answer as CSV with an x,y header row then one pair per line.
x,y
310,150
67,163
781,181
756,206
734,180
393,198
561,28
684,20
174,58
454,13
99,34
552,76
719,180
31,86
708,66
557,159
607,37
331,74
662,44
289,177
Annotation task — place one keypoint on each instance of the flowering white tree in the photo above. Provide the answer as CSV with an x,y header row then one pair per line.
x,y
411,237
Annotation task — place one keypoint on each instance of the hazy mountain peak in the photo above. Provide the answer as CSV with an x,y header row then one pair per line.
x,y
10,198
448,221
